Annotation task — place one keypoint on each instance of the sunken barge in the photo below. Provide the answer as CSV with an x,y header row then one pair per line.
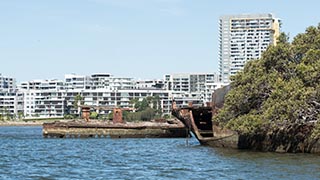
x,y
116,128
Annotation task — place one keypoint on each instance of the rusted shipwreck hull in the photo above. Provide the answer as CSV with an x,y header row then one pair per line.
x,y
100,129
292,137
199,121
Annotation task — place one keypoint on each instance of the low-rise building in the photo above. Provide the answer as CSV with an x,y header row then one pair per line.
x,y
56,98
149,84
7,83
11,103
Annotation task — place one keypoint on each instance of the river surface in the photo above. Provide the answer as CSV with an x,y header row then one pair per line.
x,y
25,154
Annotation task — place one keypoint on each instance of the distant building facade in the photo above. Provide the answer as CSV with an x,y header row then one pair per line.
x,y
195,85
149,84
7,83
42,85
242,38
56,98
11,101
73,81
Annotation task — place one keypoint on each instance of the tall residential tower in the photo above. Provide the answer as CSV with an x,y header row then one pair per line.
x,y
243,38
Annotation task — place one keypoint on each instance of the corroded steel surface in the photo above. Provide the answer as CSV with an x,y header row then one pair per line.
x,y
117,115
199,121
85,113
109,129
117,112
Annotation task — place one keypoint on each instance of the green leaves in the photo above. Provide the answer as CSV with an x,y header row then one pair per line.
x,y
281,87
94,115
146,109
78,99
309,69
248,123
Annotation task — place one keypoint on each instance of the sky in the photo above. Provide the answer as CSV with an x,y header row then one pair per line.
x,y
143,39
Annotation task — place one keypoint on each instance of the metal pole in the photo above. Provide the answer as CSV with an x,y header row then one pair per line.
x,y
187,137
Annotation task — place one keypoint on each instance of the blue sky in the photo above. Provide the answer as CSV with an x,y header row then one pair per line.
x,y
45,39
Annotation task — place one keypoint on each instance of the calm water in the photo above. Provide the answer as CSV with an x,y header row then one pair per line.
x,y
25,154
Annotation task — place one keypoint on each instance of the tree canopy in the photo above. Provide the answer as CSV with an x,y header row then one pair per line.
x,y
146,109
283,86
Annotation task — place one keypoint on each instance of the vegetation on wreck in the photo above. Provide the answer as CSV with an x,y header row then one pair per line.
x,y
281,88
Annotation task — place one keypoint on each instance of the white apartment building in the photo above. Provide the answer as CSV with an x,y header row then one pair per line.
x,y
56,98
7,83
42,85
101,80
149,84
73,81
11,102
114,98
98,81
117,83
242,38
196,85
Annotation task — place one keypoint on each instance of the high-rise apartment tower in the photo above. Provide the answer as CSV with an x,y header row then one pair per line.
x,y
243,38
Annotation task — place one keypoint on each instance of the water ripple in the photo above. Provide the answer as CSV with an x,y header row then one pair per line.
x,y
26,155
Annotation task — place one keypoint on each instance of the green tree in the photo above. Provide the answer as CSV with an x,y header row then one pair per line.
x,y
281,87
7,114
148,114
133,102
156,105
20,115
141,105
78,100
69,116
94,115
146,109
110,115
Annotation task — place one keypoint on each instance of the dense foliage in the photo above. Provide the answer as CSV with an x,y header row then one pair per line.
x,y
280,88
146,109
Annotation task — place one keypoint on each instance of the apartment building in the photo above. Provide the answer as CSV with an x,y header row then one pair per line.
x,y
74,81
42,85
98,81
242,38
196,85
56,98
11,102
149,84
114,98
101,80
117,83
57,103
7,83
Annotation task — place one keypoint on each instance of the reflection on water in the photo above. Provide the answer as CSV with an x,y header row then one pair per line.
x,y
26,155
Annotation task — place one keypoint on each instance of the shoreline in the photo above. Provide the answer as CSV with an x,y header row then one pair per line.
x,y
5,124
21,123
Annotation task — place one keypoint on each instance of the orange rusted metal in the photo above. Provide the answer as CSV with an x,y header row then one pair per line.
x,y
117,112
117,115
86,113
